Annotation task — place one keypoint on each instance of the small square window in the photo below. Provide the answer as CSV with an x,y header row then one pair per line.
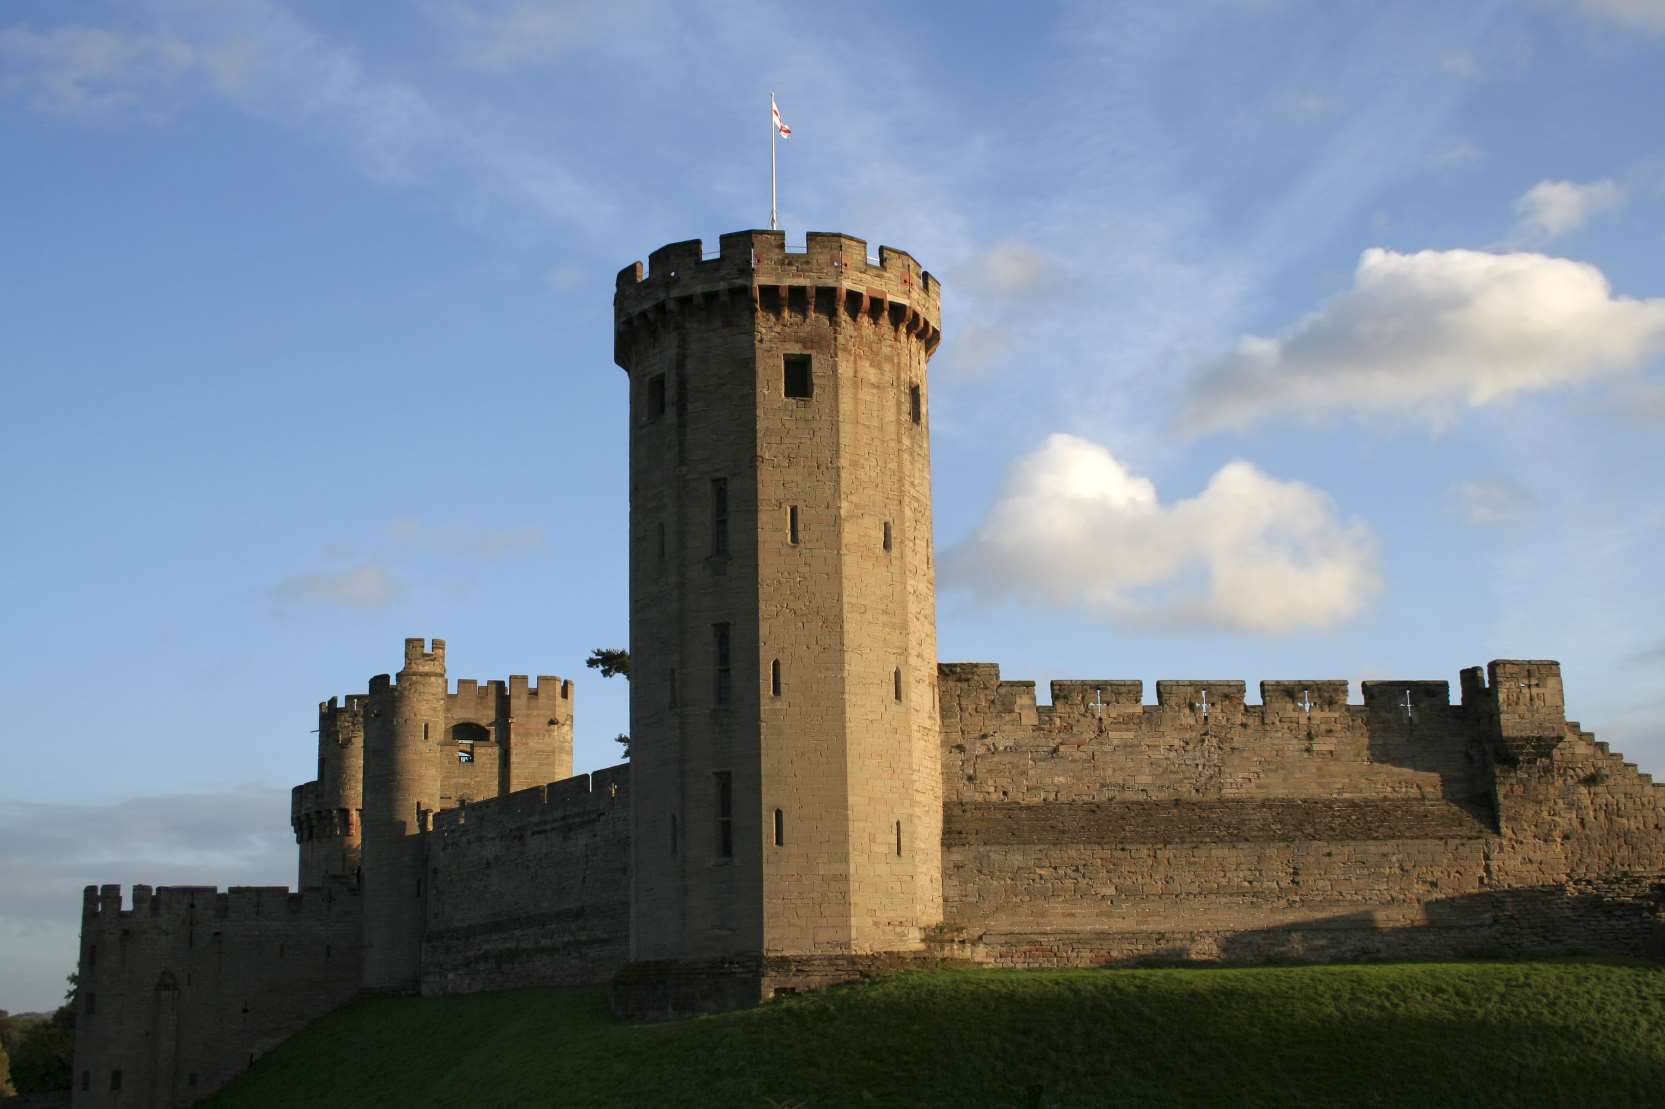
x,y
800,379
115,1080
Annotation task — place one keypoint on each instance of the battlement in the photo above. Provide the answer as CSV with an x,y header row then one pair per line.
x,y
101,906
335,709
1524,697
594,792
422,660
833,271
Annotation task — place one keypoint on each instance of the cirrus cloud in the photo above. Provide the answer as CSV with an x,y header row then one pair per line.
x,y
1551,209
1075,528
1425,334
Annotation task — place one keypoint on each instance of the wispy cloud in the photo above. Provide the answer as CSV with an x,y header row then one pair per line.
x,y
236,837
1424,334
1490,502
1551,209
413,535
1643,15
369,585
261,59
1074,528
502,36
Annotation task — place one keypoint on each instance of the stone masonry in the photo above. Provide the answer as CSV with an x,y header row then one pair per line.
x,y
813,797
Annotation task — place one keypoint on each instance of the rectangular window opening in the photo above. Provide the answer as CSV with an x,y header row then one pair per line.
x,y
661,543
780,828
792,524
774,678
655,396
673,833
898,839
915,403
719,516
115,1080
724,685
887,535
896,680
800,379
725,814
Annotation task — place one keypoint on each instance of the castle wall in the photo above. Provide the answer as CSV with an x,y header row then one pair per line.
x,y
531,887
186,987
1100,829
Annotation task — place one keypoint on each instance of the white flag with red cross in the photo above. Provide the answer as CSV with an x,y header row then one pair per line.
x,y
781,128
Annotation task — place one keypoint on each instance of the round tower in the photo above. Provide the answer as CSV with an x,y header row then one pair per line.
x,y
785,783
404,723
327,811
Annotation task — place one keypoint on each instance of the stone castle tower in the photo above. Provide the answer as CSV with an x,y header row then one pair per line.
x,y
786,783
391,758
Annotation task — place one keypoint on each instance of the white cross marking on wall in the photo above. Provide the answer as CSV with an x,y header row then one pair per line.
x,y
1098,701
1410,713
1305,703
1202,704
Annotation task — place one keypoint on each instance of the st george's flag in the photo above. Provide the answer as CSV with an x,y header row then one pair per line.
x,y
781,128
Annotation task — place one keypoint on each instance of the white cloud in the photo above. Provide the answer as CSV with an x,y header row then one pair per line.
x,y
1490,502
1011,268
83,70
410,534
262,60
1423,334
1461,65
368,585
1551,209
500,37
1074,528
1648,15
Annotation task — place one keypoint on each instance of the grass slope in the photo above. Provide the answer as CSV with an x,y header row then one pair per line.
x,y
1495,1034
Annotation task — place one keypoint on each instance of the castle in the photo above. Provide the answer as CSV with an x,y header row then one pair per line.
x,y
811,793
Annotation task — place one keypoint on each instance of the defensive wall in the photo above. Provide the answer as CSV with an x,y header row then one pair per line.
x,y
531,887
1099,829
188,985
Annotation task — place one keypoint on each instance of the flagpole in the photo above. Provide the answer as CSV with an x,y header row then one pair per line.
x,y
774,222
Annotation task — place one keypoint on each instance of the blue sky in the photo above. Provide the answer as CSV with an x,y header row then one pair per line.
x,y
1283,339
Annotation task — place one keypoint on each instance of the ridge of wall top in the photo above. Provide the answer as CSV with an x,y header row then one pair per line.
x,y
748,258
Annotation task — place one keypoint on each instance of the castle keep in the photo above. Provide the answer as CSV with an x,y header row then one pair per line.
x,y
811,793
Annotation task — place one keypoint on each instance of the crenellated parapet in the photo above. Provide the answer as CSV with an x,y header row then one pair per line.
x,y
833,276
579,795
1202,739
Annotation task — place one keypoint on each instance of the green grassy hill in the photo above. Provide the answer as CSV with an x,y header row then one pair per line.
x,y
1571,1033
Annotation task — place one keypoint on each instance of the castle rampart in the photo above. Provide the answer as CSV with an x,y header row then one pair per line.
x,y
530,887
1100,829
188,985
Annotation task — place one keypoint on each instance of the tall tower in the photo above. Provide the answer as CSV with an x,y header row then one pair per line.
x,y
404,726
786,796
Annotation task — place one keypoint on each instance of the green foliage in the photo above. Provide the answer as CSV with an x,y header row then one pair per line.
x,y
610,661
6,1087
44,1055
1493,1034
623,741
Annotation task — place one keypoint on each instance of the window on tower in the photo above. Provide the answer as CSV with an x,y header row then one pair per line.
x,y
800,378
725,814
724,677
655,397
792,524
915,403
719,516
